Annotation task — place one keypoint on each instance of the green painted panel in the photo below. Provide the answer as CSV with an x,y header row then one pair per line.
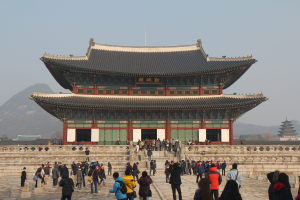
x,y
174,134
101,136
123,136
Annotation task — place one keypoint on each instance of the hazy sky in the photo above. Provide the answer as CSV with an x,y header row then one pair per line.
x,y
268,29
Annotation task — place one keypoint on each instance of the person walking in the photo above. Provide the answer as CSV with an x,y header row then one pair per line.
x,y
215,181
282,189
135,171
203,191
175,180
223,167
94,176
67,185
55,174
87,154
167,171
79,178
149,154
144,191
109,168
23,177
130,185
234,174
200,169
231,191
118,187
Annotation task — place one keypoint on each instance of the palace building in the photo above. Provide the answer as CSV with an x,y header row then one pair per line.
x,y
122,94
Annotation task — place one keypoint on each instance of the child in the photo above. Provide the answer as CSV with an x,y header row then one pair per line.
x,y
23,177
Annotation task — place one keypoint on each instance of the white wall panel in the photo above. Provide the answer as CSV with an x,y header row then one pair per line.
x,y
137,135
224,135
161,134
95,135
71,135
202,135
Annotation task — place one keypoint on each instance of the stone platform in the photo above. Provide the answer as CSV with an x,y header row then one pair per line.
x,y
252,189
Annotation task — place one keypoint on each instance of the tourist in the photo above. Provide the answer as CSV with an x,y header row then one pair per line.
x,y
93,173
87,153
67,185
200,169
215,181
39,174
129,167
189,167
231,191
135,171
130,185
281,190
84,168
102,175
273,178
167,172
55,174
149,154
144,191
203,191
47,172
175,180
79,178
234,174
23,177
151,167
118,187
109,168
223,167
298,195
74,169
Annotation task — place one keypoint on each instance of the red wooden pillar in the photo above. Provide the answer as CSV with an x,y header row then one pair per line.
x,y
65,127
130,131
130,91
230,132
168,130
220,89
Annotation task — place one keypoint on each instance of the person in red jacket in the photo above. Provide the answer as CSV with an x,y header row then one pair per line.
x,y
215,181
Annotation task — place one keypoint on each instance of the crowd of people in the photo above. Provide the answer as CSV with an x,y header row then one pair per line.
x,y
207,173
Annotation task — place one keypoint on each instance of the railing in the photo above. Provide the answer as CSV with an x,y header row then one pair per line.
x,y
62,148
241,148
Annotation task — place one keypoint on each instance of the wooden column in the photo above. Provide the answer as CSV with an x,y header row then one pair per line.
x,y
65,126
168,130
130,131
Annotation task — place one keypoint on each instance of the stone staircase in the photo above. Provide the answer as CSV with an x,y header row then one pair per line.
x,y
14,158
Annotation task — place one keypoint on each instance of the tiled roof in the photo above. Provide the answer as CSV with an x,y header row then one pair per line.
x,y
158,61
148,102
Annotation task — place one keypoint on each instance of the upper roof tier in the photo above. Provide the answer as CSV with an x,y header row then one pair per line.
x,y
148,102
149,61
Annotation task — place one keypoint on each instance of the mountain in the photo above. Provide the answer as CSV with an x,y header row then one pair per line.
x,y
251,129
22,116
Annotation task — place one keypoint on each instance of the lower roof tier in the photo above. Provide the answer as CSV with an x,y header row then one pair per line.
x,y
148,102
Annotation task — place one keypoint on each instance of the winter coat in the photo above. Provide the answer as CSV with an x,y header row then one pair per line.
x,y
79,176
94,173
234,175
55,173
23,175
130,183
67,185
197,195
144,190
175,172
215,178
117,189
200,169
280,192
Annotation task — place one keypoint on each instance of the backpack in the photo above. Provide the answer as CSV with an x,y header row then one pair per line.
x,y
123,187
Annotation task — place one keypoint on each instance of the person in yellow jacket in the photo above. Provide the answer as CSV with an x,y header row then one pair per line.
x,y
130,185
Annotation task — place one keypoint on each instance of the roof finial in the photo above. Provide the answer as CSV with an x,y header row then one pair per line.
x,y
92,43
199,43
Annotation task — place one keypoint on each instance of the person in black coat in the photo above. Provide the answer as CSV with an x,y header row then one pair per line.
x,y
67,185
175,180
23,177
281,190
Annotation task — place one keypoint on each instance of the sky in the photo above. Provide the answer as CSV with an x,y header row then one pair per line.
x,y
269,30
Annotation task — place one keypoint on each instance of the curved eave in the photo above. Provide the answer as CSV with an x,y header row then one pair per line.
x,y
148,102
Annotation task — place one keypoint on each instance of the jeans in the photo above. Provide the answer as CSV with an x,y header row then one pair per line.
x,y
95,183
174,188
214,194
55,180
199,175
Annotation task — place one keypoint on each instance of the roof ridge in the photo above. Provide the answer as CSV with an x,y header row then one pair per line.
x,y
62,57
243,58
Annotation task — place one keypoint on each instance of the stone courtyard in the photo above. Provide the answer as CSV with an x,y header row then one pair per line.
x,y
252,189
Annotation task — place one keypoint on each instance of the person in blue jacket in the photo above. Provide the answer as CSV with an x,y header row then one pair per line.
x,y
117,187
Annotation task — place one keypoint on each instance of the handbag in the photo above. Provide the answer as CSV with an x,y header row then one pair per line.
x,y
134,194
90,178
35,177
